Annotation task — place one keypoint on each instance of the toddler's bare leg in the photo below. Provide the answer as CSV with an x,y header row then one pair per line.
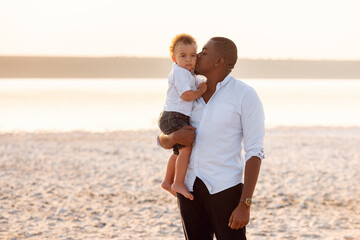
x,y
169,175
180,172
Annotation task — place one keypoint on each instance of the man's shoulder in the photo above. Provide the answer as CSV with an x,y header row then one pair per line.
x,y
240,85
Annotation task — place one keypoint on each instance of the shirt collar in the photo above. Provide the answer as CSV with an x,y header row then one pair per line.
x,y
223,82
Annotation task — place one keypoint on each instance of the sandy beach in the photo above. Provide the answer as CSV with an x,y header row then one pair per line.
x,y
83,185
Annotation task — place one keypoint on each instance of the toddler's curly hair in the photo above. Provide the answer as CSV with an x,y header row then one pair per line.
x,y
184,38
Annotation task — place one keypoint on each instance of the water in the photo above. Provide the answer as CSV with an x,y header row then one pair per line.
x,y
133,104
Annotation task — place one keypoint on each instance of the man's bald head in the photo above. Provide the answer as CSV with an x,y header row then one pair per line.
x,y
227,50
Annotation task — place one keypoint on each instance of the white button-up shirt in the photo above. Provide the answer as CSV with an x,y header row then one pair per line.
x,y
232,119
180,80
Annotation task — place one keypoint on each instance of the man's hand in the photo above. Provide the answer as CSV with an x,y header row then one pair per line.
x,y
240,217
184,136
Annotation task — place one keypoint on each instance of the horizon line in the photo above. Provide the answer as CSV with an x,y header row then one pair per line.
x,y
163,57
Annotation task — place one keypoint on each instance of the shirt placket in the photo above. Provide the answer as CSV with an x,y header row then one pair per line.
x,y
195,150
202,123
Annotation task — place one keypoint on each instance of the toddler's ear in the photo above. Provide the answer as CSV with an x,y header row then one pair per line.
x,y
173,58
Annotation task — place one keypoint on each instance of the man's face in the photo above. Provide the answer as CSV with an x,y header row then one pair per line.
x,y
185,55
206,59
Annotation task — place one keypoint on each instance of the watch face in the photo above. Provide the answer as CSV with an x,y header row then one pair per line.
x,y
248,202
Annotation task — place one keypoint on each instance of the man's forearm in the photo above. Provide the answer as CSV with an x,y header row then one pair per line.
x,y
184,136
252,169
240,217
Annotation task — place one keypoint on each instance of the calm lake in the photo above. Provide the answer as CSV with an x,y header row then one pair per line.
x,y
135,104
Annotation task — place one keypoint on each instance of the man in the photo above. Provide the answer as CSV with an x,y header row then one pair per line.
x,y
228,114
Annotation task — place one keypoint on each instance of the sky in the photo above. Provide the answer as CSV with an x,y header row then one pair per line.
x,y
295,29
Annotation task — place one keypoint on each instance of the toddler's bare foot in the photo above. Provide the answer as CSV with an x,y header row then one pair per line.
x,y
182,189
167,187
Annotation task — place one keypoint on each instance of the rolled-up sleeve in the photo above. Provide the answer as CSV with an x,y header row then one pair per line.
x,y
158,140
253,124
199,80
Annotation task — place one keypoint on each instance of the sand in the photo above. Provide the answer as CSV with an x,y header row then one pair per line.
x,y
83,185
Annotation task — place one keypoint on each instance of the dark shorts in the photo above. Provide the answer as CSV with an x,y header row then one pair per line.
x,y
170,122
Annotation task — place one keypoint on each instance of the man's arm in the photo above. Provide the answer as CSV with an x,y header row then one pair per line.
x,y
254,132
184,136
240,217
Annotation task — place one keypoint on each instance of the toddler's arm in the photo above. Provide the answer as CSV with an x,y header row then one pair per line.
x,y
192,95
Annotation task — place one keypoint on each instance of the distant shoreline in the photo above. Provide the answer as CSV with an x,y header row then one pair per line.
x,y
133,67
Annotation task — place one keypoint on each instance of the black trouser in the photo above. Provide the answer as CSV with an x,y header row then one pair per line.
x,y
208,214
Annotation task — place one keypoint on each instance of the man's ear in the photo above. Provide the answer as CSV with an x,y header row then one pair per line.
x,y
219,62
173,58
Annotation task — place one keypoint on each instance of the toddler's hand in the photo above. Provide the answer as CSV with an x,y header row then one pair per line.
x,y
203,87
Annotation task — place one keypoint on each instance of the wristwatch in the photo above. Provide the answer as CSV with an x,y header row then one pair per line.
x,y
246,201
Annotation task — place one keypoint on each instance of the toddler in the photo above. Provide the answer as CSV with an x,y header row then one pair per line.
x,y
183,88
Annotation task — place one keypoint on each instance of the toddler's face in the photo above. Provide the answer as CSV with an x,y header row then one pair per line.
x,y
185,55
